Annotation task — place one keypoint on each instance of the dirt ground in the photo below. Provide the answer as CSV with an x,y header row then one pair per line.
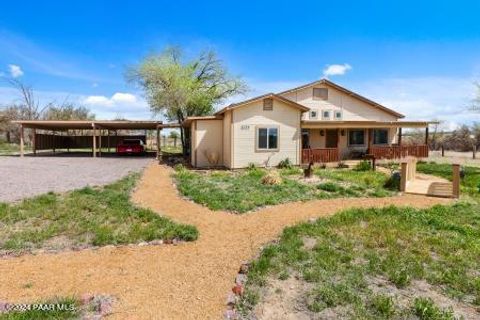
x,y
463,158
31,176
186,281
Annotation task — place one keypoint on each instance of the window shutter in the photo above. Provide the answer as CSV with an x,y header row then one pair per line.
x,y
268,104
320,93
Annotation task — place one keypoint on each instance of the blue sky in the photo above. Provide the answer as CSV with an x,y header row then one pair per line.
x,y
419,57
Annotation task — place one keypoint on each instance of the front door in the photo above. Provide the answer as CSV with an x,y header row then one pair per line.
x,y
331,140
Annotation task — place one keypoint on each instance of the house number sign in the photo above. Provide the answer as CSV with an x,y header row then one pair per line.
x,y
244,127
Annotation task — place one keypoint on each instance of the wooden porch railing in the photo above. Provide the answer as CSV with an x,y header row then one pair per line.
x,y
320,155
398,152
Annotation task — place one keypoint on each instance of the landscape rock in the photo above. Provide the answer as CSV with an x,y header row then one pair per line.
x,y
240,279
238,290
243,268
230,314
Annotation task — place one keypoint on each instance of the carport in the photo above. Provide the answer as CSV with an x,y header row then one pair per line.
x,y
50,139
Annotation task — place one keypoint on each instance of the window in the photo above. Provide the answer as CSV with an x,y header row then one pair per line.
x,y
380,136
267,138
326,114
267,104
320,93
338,115
313,114
356,137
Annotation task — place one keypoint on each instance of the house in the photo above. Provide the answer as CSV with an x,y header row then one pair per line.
x,y
317,122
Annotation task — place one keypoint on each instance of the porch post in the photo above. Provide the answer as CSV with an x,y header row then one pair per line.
x,y
400,136
370,138
426,135
34,142
94,140
21,141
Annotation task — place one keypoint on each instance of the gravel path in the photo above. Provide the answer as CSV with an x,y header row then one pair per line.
x,y
30,176
187,281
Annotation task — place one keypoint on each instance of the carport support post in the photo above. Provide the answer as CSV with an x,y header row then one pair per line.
x,y
100,143
34,141
158,144
21,140
94,141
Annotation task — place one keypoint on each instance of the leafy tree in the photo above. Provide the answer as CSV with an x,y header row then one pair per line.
x,y
174,135
476,101
68,111
178,88
28,107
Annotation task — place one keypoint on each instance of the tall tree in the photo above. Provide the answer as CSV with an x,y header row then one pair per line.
x,y
174,135
178,88
475,106
68,111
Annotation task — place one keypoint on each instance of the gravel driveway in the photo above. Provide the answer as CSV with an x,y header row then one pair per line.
x,y
30,176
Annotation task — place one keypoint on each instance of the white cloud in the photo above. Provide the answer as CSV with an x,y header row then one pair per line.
x,y
336,69
425,98
15,71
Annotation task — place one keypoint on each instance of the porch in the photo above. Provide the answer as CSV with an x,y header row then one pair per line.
x,y
323,143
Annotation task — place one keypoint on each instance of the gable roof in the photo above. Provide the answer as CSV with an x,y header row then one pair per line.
x,y
346,91
265,96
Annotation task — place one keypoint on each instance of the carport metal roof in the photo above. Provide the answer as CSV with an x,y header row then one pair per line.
x,y
99,124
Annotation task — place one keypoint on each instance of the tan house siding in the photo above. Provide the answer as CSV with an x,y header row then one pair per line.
x,y
227,139
207,138
352,109
247,119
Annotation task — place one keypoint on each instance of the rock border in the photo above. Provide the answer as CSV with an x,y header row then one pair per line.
x,y
238,290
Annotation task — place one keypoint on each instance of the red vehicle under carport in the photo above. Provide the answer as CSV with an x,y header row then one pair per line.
x,y
131,147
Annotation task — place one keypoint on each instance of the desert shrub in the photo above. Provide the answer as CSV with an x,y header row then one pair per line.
x,y
272,178
342,165
285,164
363,165
251,166
393,182
179,167
425,308
369,180
329,187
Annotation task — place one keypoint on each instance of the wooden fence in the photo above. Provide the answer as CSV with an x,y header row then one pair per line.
x,y
320,155
399,152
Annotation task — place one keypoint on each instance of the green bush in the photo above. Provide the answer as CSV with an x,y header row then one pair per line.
x,y
251,166
363,165
179,167
426,309
393,182
329,187
285,164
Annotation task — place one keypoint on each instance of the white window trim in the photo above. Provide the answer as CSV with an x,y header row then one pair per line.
x,y
329,114
257,137
357,145
335,115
